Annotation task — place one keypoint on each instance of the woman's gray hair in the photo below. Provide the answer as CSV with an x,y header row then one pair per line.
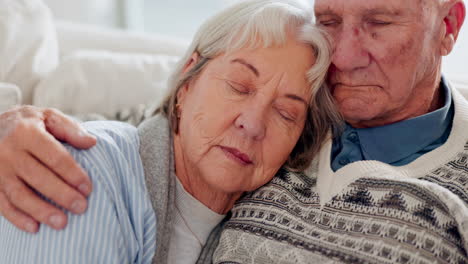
x,y
265,23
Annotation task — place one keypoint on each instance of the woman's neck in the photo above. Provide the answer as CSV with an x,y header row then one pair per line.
x,y
193,182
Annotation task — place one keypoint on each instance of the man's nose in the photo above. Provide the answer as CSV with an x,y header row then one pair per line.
x,y
349,51
252,121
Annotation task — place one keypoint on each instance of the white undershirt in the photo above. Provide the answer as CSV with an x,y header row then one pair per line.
x,y
193,222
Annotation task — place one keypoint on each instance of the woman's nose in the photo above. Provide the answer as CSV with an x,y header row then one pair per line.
x,y
349,51
251,122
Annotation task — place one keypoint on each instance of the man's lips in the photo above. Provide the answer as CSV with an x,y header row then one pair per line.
x,y
237,155
354,85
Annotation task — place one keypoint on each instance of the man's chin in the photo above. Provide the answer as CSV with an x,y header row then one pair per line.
x,y
359,109
358,117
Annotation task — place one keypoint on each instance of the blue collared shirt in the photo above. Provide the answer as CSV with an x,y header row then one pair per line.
x,y
396,144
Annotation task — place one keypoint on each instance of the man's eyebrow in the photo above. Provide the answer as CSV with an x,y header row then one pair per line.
x,y
248,65
367,12
326,12
297,98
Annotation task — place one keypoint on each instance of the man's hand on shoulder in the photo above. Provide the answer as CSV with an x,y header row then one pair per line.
x,y
33,161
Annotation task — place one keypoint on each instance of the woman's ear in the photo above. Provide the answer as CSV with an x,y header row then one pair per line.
x,y
453,22
181,94
193,60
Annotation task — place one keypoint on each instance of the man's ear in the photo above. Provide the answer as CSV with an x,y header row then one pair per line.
x,y
193,60
453,22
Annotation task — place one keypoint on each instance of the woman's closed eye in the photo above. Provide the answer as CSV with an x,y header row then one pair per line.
x,y
238,88
286,114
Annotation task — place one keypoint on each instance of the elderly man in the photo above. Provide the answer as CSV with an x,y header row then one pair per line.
x,y
392,188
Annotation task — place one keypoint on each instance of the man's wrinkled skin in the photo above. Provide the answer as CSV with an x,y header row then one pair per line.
x,y
31,159
386,65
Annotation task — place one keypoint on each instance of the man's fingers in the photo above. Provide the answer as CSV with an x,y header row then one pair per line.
x,y
16,217
29,151
65,129
50,185
54,156
27,201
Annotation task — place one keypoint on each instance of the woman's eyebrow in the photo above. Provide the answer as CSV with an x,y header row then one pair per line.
x,y
248,65
297,98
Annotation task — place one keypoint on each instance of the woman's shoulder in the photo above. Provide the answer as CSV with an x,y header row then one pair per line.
x,y
115,156
119,225
113,134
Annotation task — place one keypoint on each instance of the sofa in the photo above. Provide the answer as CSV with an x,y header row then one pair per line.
x,y
106,71
85,70
79,69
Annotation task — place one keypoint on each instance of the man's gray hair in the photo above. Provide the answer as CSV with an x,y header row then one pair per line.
x,y
265,23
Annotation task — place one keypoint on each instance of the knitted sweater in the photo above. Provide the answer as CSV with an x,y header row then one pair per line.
x,y
366,212
158,161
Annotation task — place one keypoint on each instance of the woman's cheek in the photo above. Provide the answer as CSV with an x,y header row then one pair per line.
x,y
289,139
278,146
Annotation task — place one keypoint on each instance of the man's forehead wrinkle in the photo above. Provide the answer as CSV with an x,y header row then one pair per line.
x,y
325,8
383,11
370,8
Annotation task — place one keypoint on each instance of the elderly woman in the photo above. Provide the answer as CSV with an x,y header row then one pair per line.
x,y
246,99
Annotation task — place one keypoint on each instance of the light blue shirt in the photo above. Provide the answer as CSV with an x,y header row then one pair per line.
x,y
119,225
396,144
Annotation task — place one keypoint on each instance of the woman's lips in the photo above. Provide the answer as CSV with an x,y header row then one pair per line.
x,y
237,155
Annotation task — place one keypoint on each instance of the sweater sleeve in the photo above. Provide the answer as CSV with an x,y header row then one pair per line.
x,y
119,225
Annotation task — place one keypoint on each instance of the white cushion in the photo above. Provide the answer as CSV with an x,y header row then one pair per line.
x,y
10,96
105,82
28,44
73,37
